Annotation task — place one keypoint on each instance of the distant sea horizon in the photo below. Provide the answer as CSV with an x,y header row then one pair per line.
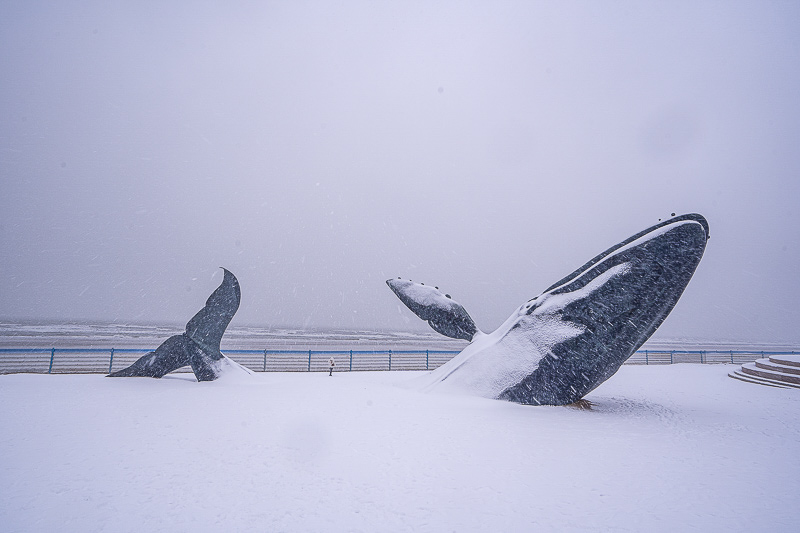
x,y
16,333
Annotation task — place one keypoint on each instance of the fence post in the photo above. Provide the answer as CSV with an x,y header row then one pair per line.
x,y
351,360
427,358
111,360
646,358
701,357
265,360
670,356
731,356
52,356
390,360
309,360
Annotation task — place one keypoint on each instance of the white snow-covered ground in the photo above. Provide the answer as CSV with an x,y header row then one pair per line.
x,y
666,448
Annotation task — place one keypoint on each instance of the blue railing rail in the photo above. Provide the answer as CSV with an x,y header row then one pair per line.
x,y
703,356
362,359
103,360
96,360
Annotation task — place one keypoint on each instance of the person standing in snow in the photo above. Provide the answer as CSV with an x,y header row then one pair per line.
x,y
331,363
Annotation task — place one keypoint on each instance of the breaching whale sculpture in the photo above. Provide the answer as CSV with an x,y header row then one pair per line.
x,y
198,346
562,344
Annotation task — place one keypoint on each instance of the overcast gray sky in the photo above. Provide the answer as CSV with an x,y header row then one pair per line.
x,y
316,149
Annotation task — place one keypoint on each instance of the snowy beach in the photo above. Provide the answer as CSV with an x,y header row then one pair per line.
x,y
520,195
665,448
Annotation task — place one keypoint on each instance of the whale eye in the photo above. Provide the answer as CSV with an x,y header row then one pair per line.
x,y
437,288
447,296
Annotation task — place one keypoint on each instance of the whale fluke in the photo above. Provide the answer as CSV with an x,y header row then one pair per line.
x,y
562,344
198,346
209,324
171,355
444,315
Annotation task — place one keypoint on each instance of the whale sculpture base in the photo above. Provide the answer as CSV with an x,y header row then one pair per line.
x,y
176,352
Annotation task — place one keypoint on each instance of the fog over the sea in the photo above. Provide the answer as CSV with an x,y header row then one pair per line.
x,y
316,149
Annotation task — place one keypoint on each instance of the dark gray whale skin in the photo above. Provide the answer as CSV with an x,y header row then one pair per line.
x,y
618,317
198,346
613,318
443,314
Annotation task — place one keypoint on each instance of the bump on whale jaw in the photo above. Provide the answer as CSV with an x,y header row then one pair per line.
x,y
198,346
562,344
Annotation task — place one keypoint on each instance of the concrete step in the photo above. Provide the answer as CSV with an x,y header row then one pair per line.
x,y
788,360
769,364
737,374
752,370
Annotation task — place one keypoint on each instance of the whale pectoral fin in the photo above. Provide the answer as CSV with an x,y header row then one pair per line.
x,y
443,314
209,324
590,323
171,355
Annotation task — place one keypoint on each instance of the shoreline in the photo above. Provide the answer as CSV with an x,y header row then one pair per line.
x,y
19,334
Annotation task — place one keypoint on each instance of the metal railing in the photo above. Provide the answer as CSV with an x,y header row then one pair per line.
x,y
106,360
668,357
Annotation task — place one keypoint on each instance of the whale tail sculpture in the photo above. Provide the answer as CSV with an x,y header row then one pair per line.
x,y
199,345
562,344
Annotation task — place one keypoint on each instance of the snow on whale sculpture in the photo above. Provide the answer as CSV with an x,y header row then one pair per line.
x,y
198,346
562,344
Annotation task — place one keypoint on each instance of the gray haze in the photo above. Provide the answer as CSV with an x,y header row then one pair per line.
x,y
316,149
